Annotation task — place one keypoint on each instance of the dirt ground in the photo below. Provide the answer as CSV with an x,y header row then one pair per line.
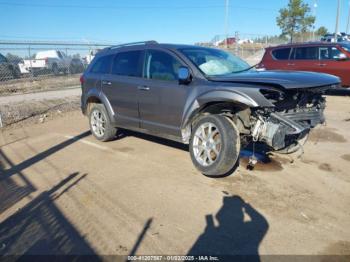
x,y
34,111
62,192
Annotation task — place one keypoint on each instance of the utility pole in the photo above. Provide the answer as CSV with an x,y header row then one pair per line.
x,y
315,13
337,23
226,22
348,24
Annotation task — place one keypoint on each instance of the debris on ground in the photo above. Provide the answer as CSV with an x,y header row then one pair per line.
x,y
36,111
42,118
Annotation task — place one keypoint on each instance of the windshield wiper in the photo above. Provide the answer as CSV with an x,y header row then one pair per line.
x,y
247,69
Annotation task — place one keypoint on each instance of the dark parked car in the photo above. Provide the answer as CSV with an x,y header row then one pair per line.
x,y
8,70
203,97
331,58
76,66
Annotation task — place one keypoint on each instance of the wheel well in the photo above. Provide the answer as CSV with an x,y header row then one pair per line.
x,y
228,109
238,113
90,101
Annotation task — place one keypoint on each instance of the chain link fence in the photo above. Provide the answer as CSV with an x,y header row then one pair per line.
x,y
33,66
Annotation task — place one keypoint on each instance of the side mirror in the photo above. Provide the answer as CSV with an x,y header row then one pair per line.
x,y
184,75
342,57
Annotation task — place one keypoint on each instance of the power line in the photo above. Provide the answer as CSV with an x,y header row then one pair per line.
x,y
32,5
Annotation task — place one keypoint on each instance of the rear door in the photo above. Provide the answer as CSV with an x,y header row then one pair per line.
x,y
121,85
161,97
305,58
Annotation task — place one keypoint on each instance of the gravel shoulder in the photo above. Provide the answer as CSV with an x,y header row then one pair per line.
x,y
62,192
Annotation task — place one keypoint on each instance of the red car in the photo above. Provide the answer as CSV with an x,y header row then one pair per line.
x,y
330,58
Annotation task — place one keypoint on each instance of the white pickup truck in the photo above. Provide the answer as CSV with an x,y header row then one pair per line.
x,y
51,61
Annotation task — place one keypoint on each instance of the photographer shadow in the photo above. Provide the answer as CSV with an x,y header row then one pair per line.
x,y
240,230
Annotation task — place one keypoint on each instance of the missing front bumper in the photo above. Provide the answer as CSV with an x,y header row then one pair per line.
x,y
280,130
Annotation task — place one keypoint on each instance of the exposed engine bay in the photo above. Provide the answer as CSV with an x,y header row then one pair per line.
x,y
294,114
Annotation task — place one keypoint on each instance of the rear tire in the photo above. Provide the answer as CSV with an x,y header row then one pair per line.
x,y
100,124
215,145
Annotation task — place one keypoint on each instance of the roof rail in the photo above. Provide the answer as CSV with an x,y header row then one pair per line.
x,y
151,42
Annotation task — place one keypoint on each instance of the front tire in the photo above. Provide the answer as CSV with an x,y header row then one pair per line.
x,y
214,145
100,125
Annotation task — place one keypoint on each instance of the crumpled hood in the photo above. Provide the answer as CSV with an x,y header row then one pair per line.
x,y
284,79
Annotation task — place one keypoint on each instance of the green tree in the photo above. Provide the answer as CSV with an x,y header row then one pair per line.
x,y
322,31
295,18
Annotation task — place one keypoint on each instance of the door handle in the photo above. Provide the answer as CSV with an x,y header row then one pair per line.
x,y
143,88
291,64
321,64
108,83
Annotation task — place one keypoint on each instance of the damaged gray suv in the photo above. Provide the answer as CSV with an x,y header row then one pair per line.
x,y
204,97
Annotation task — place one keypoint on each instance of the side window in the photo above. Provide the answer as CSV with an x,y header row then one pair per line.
x,y
127,64
59,54
335,52
161,66
281,54
102,65
306,53
324,53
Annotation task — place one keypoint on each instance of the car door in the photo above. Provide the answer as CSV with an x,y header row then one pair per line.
x,y
65,60
304,58
161,97
121,85
59,59
331,62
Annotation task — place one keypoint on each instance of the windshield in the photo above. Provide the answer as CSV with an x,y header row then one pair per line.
x,y
215,62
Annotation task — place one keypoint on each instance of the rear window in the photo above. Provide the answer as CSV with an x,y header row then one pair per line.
x,y
102,65
127,64
306,53
281,54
